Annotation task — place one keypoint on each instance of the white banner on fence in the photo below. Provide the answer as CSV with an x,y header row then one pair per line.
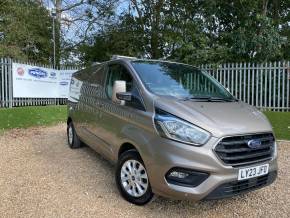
x,y
38,82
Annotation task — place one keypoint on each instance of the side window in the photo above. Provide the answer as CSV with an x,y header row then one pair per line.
x,y
98,75
136,101
119,72
94,74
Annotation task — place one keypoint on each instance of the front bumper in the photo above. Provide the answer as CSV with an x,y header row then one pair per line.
x,y
166,154
241,187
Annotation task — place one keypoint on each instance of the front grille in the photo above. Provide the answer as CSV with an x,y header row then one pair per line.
x,y
235,151
239,187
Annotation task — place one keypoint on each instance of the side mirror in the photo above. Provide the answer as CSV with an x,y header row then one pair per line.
x,y
124,96
118,87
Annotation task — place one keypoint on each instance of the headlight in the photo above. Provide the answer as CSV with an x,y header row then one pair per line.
x,y
174,128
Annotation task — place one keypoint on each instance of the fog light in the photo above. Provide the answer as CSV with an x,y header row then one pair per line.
x,y
180,175
185,177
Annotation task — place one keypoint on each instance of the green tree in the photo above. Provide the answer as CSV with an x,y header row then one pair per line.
x,y
26,31
196,31
245,28
258,40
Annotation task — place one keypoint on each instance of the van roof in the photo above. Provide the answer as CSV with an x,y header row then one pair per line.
x,y
135,59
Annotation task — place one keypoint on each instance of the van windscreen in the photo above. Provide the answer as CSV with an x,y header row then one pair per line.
x,y
179,80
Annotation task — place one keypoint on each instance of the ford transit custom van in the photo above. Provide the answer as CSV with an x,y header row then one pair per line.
x,y
171,129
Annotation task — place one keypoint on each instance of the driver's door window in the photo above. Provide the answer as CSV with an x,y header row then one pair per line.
x,y
117,72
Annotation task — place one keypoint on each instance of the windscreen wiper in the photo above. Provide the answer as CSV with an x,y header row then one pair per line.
x,y
210,99
221,99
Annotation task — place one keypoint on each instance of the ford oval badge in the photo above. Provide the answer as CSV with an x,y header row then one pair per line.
x,y
254,144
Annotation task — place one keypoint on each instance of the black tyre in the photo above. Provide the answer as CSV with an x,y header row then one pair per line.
x,y
132,178
72,138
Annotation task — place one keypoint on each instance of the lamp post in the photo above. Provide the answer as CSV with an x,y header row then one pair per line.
x,y
53,14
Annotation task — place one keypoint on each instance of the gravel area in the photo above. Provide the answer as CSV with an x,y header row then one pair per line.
x,y
41,177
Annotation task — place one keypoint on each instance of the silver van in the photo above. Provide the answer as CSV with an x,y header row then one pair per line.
x,y
171,129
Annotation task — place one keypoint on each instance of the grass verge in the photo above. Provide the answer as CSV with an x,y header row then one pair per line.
x,y
281,123
23,117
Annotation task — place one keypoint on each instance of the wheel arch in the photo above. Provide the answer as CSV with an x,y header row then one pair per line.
x,y
126,146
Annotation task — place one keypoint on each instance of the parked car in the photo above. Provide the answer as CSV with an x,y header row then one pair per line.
x,y
171,129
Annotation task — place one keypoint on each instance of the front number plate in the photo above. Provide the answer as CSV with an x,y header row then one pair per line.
x,y
251,172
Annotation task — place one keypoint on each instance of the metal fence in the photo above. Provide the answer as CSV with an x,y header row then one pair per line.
x,y
6,88
265,85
